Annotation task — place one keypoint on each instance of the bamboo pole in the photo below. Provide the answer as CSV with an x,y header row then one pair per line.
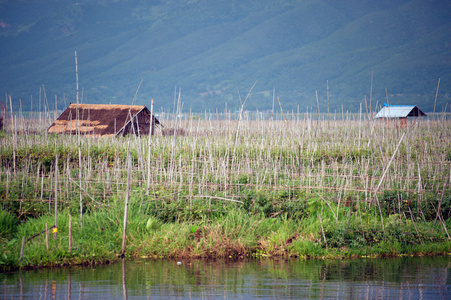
x,y
435,101
14,134
415,226
371,95
55,230
47,236
149,147
322,228
79,178
77,97
21,249
127,194
388,166
317,106
70,234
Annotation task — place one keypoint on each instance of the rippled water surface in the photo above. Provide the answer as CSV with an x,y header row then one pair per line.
x,y
401,278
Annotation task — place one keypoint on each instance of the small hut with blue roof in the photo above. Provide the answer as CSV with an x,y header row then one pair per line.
x,y
399,112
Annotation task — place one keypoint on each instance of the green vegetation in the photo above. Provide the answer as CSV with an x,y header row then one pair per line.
x,y
229,189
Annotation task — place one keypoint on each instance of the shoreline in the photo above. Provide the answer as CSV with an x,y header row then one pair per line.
x,y
138,257
256,237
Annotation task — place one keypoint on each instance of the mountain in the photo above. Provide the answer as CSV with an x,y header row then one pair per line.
x,y
213,52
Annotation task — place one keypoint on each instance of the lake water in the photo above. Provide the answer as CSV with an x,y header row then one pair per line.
x,y
400,278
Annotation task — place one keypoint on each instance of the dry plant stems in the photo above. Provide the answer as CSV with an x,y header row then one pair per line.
x,y
442,196
270,162
414,225
174,137
388,166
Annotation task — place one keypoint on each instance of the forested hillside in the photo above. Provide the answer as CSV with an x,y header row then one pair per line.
x,y
214,51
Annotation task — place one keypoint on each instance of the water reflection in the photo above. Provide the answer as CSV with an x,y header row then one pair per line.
x,y
411,278
124,284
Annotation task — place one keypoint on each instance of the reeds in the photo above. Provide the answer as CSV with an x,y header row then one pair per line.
x,y
271,154
272,168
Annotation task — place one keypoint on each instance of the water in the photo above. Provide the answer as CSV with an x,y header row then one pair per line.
x,y
401,278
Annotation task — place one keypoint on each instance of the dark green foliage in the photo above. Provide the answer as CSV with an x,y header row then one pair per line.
x,y
8,225
243,178
294,208
448,155
272,204
396,230
394,202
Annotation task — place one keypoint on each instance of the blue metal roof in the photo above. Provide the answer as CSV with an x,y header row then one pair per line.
x,y
399,111
391,105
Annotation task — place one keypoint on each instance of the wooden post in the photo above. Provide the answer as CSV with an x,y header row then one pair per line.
x,y
79,178
21,249
230,132
317,105
124,232
47,236
70,234
55,230
151,118
149,147
13,128
322,228
328,113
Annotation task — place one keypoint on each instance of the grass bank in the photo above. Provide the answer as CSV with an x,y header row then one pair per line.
x,y
320,233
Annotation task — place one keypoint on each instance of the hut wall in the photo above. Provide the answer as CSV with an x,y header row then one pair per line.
x,y
395,122
141,124
403,123
144,123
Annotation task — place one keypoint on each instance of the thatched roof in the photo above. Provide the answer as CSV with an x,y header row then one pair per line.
x,y
97,119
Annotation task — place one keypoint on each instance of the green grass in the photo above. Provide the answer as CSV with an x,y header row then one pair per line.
x,y
236,234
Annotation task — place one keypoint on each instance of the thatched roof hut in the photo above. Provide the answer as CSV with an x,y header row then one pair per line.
x,y
104,120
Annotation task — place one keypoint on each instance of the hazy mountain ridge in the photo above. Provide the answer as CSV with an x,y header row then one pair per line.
x,y
214,50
